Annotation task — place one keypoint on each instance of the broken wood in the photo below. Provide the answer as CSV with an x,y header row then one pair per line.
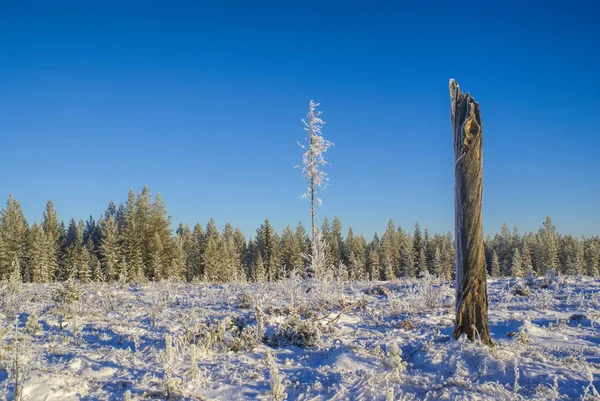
x,y
471,291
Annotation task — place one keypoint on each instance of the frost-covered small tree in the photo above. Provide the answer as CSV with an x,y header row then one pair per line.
x,y
592,255
317,259
52,229
38,268
526,258
407,263
110,253
313,160
495,271
516,267
437,262
13,236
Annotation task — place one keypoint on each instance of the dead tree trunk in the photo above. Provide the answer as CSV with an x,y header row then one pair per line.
x,y
471,292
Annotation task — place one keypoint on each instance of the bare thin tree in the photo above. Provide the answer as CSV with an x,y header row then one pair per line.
x,y
313,160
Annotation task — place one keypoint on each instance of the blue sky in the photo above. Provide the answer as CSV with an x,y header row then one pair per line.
x,y
203,102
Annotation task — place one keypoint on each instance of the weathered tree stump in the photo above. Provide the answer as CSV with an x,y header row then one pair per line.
x,y
471,291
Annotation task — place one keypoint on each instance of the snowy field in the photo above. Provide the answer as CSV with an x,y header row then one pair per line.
x,y
298,340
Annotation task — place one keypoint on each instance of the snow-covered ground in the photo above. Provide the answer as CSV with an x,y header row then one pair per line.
x,y
300,340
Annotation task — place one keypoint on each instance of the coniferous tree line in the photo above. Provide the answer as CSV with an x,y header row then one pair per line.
x,y
134,242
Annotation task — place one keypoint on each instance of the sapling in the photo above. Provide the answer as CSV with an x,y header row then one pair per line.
x,y
19,364
260,321
517,374
394,361
277,391
32,326
167,357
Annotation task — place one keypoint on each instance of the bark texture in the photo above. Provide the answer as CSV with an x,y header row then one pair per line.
x,y
471,291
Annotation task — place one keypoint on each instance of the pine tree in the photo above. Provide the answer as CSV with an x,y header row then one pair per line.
x,y
259,270
356,256
156,267
159,226
180,258
109,249
81,261
436,263
516,268
336,242
13,236
96,273
267,242
390,244
407,261
549,246
417,244
373,259
111,211
326,232
91,232
422,262
303,242
526,257
291,251
495,265
53,232
447,256
239,242
211,259
72,251
38,264
130,238
592,255
195,254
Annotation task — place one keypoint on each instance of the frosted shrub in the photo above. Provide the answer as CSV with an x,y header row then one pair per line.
x,y
225,335
394,361
19,363
426,293
171,384
159,301
194,372
260,322
67,300
297,332
11,295
32,326
277,391
246,300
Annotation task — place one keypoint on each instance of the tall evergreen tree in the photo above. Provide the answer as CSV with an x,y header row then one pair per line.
x,y
417,241
390,248
291,251
267,242
109,249
495,272
52,230
13,237
516,268
436,263
407,261
373,259
549,246
38,268
336,242
592,256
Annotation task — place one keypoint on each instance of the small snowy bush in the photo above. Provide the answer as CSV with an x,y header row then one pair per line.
x,y
297,332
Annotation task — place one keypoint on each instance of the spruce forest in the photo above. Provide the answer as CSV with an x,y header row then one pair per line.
x,y
134,242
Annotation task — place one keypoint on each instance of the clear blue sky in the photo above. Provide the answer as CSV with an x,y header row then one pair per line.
x,y
202,101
